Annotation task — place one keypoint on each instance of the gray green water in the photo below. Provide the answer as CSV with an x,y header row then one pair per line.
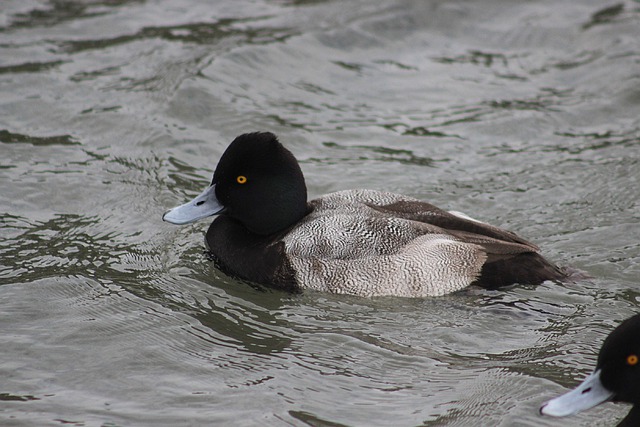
x,y
524,114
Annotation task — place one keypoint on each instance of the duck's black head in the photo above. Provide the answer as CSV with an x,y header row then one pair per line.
x,y
260,183
257,182
616,377
619,361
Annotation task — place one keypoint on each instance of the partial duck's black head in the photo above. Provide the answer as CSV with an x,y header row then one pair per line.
x,y
616,377
619,361
257,182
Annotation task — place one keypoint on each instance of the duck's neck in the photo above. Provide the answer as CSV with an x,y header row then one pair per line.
x,y
632,419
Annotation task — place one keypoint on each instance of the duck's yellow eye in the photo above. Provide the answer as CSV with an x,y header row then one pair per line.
x,y
241,179
632,360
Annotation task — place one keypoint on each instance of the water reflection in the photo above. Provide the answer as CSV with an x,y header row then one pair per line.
x,y
7,137
607,15
196,33
62,11
59,246
30,67
313,420
376,153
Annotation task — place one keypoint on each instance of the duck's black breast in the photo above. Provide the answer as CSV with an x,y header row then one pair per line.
x,y
249,256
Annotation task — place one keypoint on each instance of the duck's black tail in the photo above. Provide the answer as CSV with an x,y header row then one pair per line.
x,y
525,268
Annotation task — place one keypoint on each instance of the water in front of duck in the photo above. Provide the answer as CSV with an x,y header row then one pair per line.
x,y
525,115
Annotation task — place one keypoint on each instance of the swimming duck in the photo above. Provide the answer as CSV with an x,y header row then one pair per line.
x,y
359,242
616,377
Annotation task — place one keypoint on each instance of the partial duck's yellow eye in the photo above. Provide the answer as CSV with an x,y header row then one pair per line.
x,y
632,360
241,179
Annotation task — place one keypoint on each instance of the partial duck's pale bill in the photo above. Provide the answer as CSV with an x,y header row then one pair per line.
x,y
206,204
588,394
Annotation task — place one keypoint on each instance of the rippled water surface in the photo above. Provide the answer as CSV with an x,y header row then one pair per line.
x,y
525,114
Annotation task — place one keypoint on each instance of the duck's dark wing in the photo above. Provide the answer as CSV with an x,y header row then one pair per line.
x,y
510,258
430,214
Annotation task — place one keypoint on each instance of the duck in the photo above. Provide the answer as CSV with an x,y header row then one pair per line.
x,y
359,242
616,377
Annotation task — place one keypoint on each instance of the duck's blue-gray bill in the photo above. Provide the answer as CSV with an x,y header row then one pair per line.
x,y
204,205
588,394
